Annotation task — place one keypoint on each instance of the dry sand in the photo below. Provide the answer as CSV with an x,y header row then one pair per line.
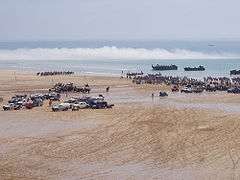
x,y
179,137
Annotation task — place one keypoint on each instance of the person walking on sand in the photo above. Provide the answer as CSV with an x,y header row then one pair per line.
x,y
107,89
50,103
152,96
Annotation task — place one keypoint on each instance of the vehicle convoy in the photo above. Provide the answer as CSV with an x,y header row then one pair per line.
x,y
76,104
34,100
164,67
199,68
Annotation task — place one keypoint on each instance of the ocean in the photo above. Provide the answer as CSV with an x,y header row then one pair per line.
x,y
112,57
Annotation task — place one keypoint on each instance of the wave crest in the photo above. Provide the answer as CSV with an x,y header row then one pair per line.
x,y
107,53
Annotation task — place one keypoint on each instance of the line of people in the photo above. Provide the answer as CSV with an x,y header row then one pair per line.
x,y
54,73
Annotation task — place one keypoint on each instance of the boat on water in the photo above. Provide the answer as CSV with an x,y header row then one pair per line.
x,y
235,72
199,68
164,67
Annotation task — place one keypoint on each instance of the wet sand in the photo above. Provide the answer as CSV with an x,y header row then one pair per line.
x,y
179,137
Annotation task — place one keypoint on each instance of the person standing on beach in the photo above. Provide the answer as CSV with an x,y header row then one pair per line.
x,y
50,103
107,89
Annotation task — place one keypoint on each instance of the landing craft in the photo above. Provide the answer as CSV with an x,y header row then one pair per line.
x,y
212,45
164,67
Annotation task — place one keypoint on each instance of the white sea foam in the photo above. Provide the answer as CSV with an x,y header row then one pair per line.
x,y
108,53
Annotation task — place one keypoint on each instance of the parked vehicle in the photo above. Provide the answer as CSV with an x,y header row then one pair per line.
x,y
8,107
71,101
80,105
186,90
61,107
29,104
54,96
37,102
98,103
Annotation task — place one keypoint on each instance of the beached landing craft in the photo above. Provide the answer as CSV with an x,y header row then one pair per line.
x,y
199,68
235,72
164,67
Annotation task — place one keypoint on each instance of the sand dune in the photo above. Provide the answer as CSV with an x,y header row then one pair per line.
x,y
139,138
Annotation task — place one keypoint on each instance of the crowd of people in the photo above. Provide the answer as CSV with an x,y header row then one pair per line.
x,y
70,87
208,83
54,73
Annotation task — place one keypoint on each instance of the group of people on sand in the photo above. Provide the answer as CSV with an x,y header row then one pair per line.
x,y
208,83
70,87
54,73
168,80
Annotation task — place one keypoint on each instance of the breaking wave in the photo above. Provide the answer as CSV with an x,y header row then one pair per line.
x,y
108,53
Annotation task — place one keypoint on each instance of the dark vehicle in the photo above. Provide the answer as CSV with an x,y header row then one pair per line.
x,y
235,90
199,68
163,94
235,72
164,67
37,102
53,96
98,103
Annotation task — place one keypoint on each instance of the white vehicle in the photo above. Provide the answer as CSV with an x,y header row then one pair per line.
x,y
8,107
187,90
80,105
61,107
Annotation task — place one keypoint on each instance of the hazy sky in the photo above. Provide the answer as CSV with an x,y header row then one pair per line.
x,y
118,19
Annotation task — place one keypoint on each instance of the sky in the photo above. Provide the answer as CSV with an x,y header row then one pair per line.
x,y
119,19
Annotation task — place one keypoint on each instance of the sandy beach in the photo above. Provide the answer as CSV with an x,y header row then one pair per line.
x,y
182,136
